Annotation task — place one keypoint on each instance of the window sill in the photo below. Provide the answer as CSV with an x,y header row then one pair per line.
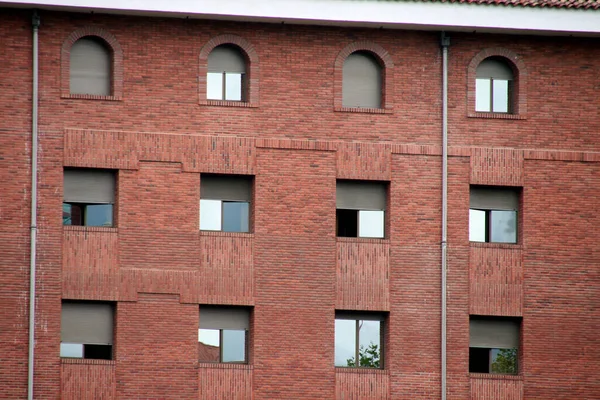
x,y
503,377
91,97
514,246
80,228
493,115
344,239
227,234
86,361
228,103
354,370
225,366
364,110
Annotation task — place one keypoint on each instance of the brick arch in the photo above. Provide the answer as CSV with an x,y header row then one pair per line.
x,y
117,62
251,57
387,65
515,62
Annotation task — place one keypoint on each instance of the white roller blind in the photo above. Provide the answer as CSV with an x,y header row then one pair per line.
x,y
90,67
491,68
223,187
362,80
89,186
360,195
226,59
486,198
214,317
87,323
495,334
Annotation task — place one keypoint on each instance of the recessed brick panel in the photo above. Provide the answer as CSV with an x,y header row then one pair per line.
x,y
361,385
88,380
224,382
505,388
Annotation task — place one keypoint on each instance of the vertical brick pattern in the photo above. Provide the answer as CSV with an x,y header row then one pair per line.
x,y
496,167
226,274
496,281
485,388
90,267
364,161
295,300
227,382
361,385
92,380
362,281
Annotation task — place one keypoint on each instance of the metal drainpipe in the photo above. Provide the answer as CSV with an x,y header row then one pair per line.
x,y
445,43
35,22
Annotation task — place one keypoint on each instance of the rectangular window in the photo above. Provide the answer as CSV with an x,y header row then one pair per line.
x,y
494,345
89,197
87,330
360,209
493,214
223,334
225,203
359,339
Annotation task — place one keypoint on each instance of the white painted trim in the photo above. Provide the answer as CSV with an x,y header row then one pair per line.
x,y
369,13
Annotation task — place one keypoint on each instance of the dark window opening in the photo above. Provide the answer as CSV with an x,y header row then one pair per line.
x,y
97,351
347,222
88,214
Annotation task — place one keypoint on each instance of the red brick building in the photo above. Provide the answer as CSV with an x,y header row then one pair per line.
x,y
252,191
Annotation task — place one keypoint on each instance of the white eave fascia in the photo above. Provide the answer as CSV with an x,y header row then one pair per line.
x,y
389,14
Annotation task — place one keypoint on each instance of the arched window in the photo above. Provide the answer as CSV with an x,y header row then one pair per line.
x,y
90,67
494,88
361,81
226,77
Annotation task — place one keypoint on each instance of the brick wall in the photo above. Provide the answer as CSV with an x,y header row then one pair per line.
x,y
291,269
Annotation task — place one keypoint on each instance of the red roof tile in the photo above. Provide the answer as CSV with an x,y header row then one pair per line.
x,y
581,4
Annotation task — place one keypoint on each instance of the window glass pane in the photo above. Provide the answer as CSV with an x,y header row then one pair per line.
x,y
235,216
370,224
482,95
234,346
209,349
345,342
504,226
369,338
74,350
210,215
233,86
500,95
476,225
98,215
504,361
214,86
67,214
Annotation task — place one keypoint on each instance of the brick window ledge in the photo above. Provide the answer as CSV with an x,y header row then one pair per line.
x,y
351,370
501,377
86,361
361,240
247,367
486,245
364,110
228,103
227,234
79,228
91,97
493,115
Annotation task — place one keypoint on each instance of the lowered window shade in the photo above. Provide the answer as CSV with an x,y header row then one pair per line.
x,y
491,68
362,80
89,186
485,198
226,59
89,323
231,188
494,334
360,195
359,316
214,317
90,67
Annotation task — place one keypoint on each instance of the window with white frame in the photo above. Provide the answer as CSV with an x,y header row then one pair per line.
x,y
226,78
360,209
494,345
223,334
89,197
86,330
493,214
225,203
494,86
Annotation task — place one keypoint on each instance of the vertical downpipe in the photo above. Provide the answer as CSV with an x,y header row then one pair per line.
x,y
35,22
445,43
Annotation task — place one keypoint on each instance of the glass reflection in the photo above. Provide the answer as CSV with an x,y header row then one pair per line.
x,y
233,86
235,216
500,91
482,95
98,215
504,226
209,345
345,341
71,350
214,86
476,225
370,224
210,215
369,336
234,346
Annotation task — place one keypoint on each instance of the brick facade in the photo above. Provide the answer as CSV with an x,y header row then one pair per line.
x,y
295,139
